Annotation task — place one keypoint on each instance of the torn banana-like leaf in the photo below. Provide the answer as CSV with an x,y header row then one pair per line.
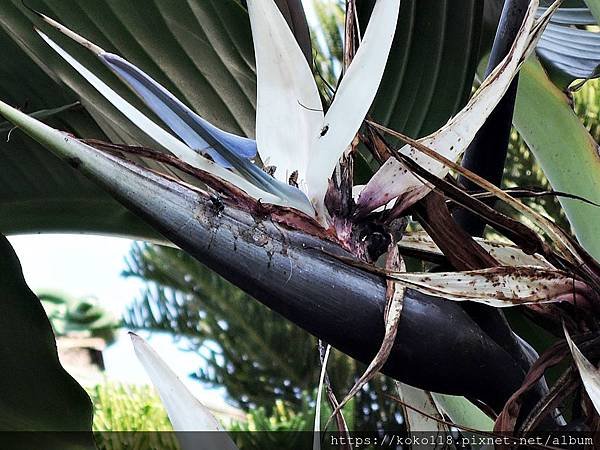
x,y
317,427
420,242
590,375
197,133
393,180
500,287
353,97
392,314
426,416
185,411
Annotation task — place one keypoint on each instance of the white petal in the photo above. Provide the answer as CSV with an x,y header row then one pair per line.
x,y
317,427
590,375
393,180
184,410
289,111
353,98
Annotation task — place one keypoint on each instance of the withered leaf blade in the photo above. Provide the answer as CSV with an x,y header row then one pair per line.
x,y
393,180
420,243
507,419
458,246
564,245
502,287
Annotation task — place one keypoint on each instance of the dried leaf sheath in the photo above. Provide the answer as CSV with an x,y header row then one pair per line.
x,y
503,286
393,180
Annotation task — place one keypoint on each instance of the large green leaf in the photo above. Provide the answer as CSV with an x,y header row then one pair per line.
x,y
565,150
36,393
432,63
594,6
463,412
38,192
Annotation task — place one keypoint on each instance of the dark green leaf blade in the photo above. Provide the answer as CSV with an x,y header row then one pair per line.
x,y
432,63
37,393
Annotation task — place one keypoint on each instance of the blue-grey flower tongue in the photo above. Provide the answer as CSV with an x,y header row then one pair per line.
x,y
195,131
227,149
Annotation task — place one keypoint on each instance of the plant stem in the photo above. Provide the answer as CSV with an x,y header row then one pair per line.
x,y
486,155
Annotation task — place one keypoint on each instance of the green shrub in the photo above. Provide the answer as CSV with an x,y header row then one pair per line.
x,y
119,407
122,408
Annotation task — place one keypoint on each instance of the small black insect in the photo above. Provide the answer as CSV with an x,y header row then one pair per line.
x,y
293,180
324,130
270,170
217,203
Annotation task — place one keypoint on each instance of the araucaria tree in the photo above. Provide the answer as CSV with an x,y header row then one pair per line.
x,y
310,199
